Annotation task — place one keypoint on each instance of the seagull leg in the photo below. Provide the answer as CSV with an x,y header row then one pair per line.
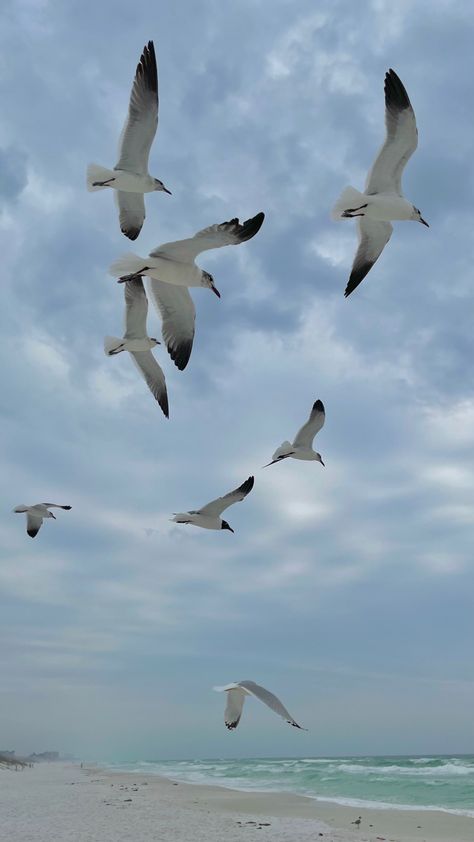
x,y
103,183
351,212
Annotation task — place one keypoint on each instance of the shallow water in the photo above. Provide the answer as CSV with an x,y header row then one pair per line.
x,y
437,782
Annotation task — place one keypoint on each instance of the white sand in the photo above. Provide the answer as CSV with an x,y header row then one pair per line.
x,y
63,803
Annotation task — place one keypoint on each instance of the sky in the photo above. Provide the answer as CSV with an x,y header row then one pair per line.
x,y
347,590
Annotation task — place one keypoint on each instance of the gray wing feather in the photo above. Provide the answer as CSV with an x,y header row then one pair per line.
x,y
214,237
216,507
401,139
153,374
177,310
234,707
131,212
136,309
142,120
373,237
268,699
305,436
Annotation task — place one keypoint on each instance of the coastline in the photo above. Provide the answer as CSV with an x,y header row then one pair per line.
x,y
100,805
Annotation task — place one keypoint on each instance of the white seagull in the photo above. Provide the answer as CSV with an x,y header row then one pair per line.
x,y
130,178
302,446
382,199
209,516
36,513
138,343
174,263
236,694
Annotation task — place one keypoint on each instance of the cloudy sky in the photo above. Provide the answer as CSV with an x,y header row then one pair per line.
x,y
346,589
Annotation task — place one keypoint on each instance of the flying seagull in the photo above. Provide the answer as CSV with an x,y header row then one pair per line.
x,y
35,515
382,200
130,178
174,263
302,447
236,694
209,516
137,342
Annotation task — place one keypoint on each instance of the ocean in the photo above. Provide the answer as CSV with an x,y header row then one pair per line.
x,y
437,783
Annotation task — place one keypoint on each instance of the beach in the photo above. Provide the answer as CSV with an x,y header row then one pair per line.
x,y
56,802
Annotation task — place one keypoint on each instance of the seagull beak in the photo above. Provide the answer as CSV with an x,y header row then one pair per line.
x,y
216,291
167,191
423,222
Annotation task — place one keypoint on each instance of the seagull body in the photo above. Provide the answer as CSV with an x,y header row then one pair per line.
x,y
301,447
382,200
209,516
236,694
36,514
173,263
130,177
138,343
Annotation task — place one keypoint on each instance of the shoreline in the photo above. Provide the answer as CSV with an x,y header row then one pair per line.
x,y
94,804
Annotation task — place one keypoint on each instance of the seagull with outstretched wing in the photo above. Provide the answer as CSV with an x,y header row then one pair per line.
x,y
137,342
209,516
302,445
236,694
383,199
130,177
36,514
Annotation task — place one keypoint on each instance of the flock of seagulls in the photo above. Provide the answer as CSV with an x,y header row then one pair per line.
x,y
171,270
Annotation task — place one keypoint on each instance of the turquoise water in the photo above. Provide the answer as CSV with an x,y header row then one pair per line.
x,y
436,782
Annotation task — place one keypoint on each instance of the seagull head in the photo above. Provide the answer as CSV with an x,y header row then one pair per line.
x,y
160,186
208,281
225,525
417,215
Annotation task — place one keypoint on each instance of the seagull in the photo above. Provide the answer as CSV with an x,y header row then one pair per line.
x,y
36,513
130,177
209,516
357,821
302,445
174,263
382,199
236,694
137,342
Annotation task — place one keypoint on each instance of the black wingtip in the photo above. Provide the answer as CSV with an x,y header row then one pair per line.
x,y
32,532
357,276
163,402
147,67
181,354
247,485
318,406
395,92
250,227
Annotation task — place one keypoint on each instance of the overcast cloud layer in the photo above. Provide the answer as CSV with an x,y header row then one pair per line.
x,y
346,589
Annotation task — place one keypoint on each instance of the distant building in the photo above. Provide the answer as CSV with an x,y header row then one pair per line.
x,y
44,755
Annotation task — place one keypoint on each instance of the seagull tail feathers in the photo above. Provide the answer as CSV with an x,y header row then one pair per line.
x,y
127,265
112,345
350,198
96,175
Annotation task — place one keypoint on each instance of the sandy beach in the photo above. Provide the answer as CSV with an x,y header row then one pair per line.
x,y
57,802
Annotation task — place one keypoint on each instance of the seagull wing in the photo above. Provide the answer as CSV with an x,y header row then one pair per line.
x,y
33,524
131,212
142,120
373,237
136,309
400,142
224,234
216,507
305,436
56,506
269,699
153,374
19,509
177,310
234,707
